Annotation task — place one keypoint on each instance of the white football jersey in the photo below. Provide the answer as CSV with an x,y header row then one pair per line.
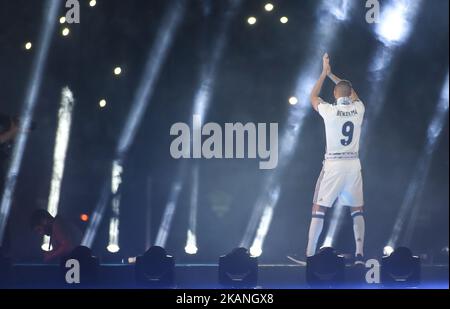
x,y
343,124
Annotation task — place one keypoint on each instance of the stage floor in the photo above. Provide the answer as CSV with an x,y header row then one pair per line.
x,y
205,276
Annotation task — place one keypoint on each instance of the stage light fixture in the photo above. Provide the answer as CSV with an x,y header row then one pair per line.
x,y
401,269
28,45
269,7
255,251
293,100
65,32
284,20
117,70
251,20
191,248
113,248
387,251
238,269
92,3
62,19
102,103
326,269
155,269
191,241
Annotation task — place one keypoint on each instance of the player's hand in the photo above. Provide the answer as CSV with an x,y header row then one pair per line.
x,y
326,64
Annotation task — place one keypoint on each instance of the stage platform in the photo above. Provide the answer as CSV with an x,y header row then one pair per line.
x,y
205,276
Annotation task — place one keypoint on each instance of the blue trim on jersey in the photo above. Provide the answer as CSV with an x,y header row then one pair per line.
x,y
358,213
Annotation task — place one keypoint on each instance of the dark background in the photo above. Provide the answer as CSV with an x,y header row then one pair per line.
x,y
255,78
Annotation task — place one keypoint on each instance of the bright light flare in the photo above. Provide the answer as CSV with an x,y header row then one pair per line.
x,y
117,71
396,21
269,7
65,32
264,224
251,20
60,151
113,248
293,100
102,103
191,245
387,251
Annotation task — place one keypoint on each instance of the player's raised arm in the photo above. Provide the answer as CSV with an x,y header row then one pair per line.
x,y
315,99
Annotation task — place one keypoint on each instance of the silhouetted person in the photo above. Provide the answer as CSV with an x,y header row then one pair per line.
x,y
64,237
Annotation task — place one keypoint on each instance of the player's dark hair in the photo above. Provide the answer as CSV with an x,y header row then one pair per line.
x,y
345,86
38,216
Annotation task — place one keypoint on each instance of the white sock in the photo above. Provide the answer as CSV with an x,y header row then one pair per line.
x,y
315,229
359,228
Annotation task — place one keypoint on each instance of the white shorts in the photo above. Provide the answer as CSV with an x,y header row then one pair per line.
x,y
340,179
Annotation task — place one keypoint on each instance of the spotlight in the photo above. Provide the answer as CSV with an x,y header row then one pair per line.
x,y
387,251
59,153
84,217
238,269
117,70
325,269
28,45
396,21
270,202
251,20
255,251
92,3
166,222
284,20
155,269
113,245
293,100
191,249
400,269
88,267
65,32
269,7
102,103
113,248
62,19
